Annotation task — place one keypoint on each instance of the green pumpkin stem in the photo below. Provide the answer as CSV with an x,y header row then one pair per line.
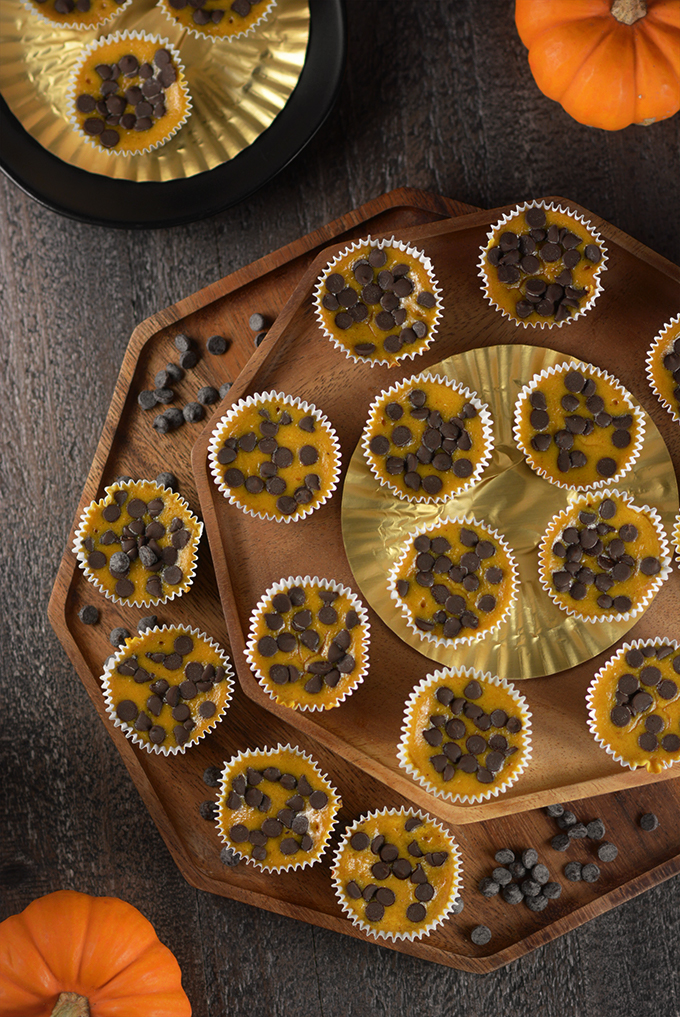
x,y
629,11
70,1004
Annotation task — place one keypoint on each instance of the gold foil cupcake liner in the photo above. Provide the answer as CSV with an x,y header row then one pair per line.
x,y
107,41
454,892
251,757
56,23
487,436
486,679
129,732
624,394
549,207
328,693
258,400
601,676
440,641
91,576
357,245
656,582
195,31
659,340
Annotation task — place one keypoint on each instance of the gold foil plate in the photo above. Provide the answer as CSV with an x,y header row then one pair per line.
x,y
237,88
537,638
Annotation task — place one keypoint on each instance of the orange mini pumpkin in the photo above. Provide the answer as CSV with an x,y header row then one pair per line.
x,y
70,955
609,63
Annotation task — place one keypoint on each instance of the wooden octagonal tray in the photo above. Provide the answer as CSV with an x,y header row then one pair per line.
x,y
173,789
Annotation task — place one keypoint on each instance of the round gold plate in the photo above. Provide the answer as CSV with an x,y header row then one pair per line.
x,y
237,88
537,638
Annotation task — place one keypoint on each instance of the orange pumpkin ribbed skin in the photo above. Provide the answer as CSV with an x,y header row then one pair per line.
x,y
603,72
98,947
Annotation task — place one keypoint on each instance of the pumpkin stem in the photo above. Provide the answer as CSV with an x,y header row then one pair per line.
x,y
70,1004
629,11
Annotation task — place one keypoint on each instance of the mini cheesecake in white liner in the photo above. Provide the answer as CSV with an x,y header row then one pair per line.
x,y
329,458
308,817
451,483
538,268
173,505
663,365
176,103
295,693
643,517
456,719
402,906
634,705
37,8
216,36
204,651
409,349
506,587
525,412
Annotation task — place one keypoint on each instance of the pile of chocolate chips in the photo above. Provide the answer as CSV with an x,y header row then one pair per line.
x,y
139,539
586,411
390,863
245,788
377,287
198,677
451,609
671,362
305,632
134,107
280,457
594,554
520,876
215,14
68,6
440,442
518,257
481,757
632,698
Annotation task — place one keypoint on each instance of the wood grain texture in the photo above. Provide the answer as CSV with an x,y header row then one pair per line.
x,y
439,96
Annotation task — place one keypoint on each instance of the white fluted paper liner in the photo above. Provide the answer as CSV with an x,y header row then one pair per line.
x,y
589,370
326,693
396,390
601,675
261,399
505,220
477,634
128,648
456,882
676,537
159,491
256,758
96,44
484,678
406,353
659,340
196,31
75,26
557,524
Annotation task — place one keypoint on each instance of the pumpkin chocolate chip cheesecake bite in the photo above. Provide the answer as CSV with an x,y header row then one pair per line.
x,y
379,301
466,735
138,543
397,874
218,19
603,558
76,14
663,366
308,642
634,705
128,93
275,457
428,438
541,265
276,808
455,581
578,426
168,688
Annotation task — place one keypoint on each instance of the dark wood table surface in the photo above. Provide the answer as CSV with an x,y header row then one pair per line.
x,y
437,95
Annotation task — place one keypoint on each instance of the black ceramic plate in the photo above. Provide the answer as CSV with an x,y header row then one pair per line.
x,y
129,205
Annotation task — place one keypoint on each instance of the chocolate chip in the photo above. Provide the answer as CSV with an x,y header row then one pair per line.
x,y
480,935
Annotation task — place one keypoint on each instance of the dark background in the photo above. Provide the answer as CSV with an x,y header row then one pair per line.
x,y
437,95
